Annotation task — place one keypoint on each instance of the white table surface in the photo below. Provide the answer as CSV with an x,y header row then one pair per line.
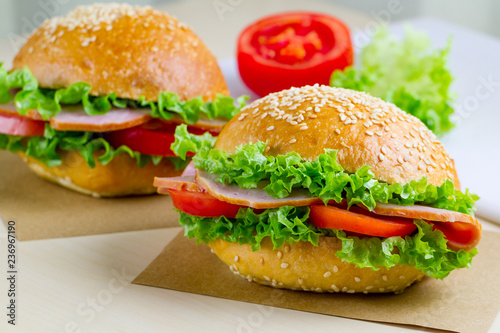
x,y
74,284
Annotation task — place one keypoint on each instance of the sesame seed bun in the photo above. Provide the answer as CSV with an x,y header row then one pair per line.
x,y
129,50
132,51
120,177
303,266
365,131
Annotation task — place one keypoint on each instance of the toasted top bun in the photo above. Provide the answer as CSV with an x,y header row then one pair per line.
x,y
363,129
129,50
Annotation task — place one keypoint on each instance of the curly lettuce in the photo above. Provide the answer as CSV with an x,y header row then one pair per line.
x,y
409,74
426,250
46,149
248,167
22,87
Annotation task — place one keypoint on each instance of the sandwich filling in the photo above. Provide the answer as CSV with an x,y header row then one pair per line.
x,y
246,196
39,122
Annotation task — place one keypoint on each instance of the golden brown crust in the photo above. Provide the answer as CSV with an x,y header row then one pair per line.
x,y
303,266
364,130
120,177
129,50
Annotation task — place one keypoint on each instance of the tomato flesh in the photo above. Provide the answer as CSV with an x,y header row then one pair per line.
x,y
152,138
292,49
21,126
330,217
202,204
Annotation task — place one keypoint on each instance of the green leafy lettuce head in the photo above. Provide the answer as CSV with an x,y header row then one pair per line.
x,y
109,57
409,73
343,146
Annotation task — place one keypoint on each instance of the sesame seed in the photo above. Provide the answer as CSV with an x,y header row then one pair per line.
x,y
293,122
279,254
401,277
381,290
301,281
284,265
351,291
337,131
262,261
292,141
236,258
270,128
430,169
369,287
303,128
381,157
383,150
400,159
384,277
327,274
370,133
335,269
344,289
357,279
267,278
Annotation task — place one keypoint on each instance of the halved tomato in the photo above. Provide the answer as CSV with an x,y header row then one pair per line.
x,y
22,126
202,204
292,49
330,217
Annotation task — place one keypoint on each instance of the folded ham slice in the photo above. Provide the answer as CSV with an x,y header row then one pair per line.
x,y
115,119
10,109
182,183
255,198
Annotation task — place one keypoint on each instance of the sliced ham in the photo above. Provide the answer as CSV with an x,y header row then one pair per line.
x,y
212,125
115,119
422,212
255,198
182,183
10,109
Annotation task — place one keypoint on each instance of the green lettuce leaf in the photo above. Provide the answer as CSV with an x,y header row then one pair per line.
x,y
48,101
186,142
45,149
323,178
409,74
426,250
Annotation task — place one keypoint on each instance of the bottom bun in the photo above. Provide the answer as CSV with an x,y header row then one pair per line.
x,y
303,266
120,177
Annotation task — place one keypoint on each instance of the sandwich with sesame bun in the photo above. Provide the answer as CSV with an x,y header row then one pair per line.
x,y
94,97
327,190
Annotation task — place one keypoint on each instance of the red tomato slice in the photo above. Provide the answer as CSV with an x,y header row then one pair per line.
x,y
22,126
153,138
330,217
292,49
202,204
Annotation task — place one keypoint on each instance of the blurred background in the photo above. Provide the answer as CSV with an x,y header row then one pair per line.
x,y
19,17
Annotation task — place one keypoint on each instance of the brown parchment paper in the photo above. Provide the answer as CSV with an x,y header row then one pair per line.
x,y
466,301
44,210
